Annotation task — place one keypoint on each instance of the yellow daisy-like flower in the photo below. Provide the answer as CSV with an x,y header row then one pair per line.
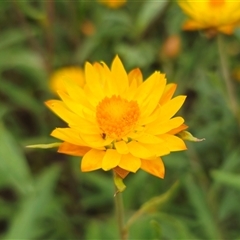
x,y
216,15
118,121
113,3
60,76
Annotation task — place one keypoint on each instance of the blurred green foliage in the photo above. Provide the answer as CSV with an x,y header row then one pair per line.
x,y
43,195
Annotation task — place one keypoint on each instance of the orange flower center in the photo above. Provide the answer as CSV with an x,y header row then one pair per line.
x,y
116,116
216,3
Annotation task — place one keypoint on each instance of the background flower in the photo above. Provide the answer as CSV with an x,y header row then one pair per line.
x,y
113,3
59,78
219,15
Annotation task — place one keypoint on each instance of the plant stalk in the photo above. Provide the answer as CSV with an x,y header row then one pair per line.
x,y
233,103
120,215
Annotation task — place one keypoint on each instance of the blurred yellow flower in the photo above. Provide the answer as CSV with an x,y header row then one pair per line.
x,y
60,76
214,15
118,121
113,3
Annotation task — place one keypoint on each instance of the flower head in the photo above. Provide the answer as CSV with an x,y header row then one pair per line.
x,y
60,76
214,15
118,121
113,3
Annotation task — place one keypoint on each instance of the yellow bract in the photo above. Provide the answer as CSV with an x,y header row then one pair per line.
x,y
118,121
214,15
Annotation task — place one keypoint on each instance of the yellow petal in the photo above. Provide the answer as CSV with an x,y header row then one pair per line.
x,y
160,128
147,87
93,80
168,93
135,74
76,93
154,167
151,103
60,109
71,149
170,108
95,140
159,149
74,106
111,159
151,118
174,143
120,77
86,128
148,138
121,147
83,121
93,98
129,163
68,135
178,129
108,82
106,77
92,160
138,150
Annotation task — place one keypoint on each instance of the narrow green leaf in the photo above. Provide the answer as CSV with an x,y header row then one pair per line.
x,y
150,10
45,146
13,36
13,165
34,207
19,96
153,204
228,179
197,198
35,13
21,58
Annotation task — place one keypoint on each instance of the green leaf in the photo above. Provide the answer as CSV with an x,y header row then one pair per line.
x,y
20,96
34,207
197,199
14,36
149,12
21,58
98,230
13,164
229,179
153,204
35,13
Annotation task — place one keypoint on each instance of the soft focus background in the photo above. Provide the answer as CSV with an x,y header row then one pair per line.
x,y
43,195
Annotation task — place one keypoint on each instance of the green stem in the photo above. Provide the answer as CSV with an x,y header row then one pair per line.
x,y
120,215
233,104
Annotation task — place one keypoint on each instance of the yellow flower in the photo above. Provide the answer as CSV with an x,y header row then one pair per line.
x,y
118,121
113,3
216,15
59,77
